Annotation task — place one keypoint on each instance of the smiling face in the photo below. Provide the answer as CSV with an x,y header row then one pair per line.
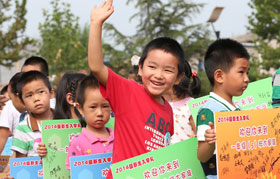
x,y
36,97
96,109
236,79
159,73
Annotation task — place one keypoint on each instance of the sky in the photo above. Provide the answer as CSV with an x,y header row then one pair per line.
x,y
232,21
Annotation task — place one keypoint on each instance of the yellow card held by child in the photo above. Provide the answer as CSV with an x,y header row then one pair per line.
x,y
247,144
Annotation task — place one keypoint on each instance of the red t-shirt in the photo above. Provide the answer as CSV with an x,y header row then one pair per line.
x,y
141,123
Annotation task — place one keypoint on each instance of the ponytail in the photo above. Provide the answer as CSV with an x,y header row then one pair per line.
x,y
73,87
195,86
184,88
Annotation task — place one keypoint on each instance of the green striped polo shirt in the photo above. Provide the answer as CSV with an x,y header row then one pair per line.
x,y
26,140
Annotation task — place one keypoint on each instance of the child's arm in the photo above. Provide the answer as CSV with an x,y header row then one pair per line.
x,y
206,148
192,124
4,135
42,150
20,155
95,56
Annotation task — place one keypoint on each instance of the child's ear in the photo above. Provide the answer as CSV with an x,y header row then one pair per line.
x,y
140,70
69,98
21,101
179,78
219,76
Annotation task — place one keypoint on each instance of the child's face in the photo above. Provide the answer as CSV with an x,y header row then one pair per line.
x,y
159,73
236,80
36,97
96,109
16,101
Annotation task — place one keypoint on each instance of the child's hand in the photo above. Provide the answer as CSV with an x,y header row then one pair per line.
x,y
210,135
101,13
42,150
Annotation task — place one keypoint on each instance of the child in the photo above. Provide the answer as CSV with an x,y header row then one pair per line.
x,y
35,92
65,107
35,63
95,137
227,68
16,107
13,93
140,110
9,118
184,126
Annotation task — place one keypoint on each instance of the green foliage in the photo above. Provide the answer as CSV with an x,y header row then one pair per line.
x,y
64,43
206,87
170,18
265,22
12,40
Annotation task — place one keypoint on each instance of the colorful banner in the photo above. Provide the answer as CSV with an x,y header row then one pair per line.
x,y
248,144
175,161
56,135
250,99
27,168
4,160
111,123
90,166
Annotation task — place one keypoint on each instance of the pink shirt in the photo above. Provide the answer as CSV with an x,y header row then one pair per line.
x,y
87,143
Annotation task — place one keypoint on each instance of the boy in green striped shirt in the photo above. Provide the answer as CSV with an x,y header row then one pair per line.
x,y
35,92
227,67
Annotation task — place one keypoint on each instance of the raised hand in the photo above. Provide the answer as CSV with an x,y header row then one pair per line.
x,y
101,13
210,134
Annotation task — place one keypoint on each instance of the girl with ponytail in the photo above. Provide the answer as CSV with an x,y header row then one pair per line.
x,y
178,97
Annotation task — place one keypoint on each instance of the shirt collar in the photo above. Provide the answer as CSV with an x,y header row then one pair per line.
x,y
93,138
223,102
33,124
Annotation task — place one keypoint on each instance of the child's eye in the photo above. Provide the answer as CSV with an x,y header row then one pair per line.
x,y
106,106
169,71
152,67
28,96
92,107
41,91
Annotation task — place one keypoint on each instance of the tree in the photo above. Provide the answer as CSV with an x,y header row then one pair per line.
x,y
170,18
64,43
265,22
12,30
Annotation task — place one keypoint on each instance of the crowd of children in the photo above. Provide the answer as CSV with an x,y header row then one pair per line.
x,y
159,105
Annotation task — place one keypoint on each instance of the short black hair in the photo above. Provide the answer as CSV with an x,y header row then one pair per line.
x,y
221,55
168,45
30,76
4,89
88,82
35,60
14,81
